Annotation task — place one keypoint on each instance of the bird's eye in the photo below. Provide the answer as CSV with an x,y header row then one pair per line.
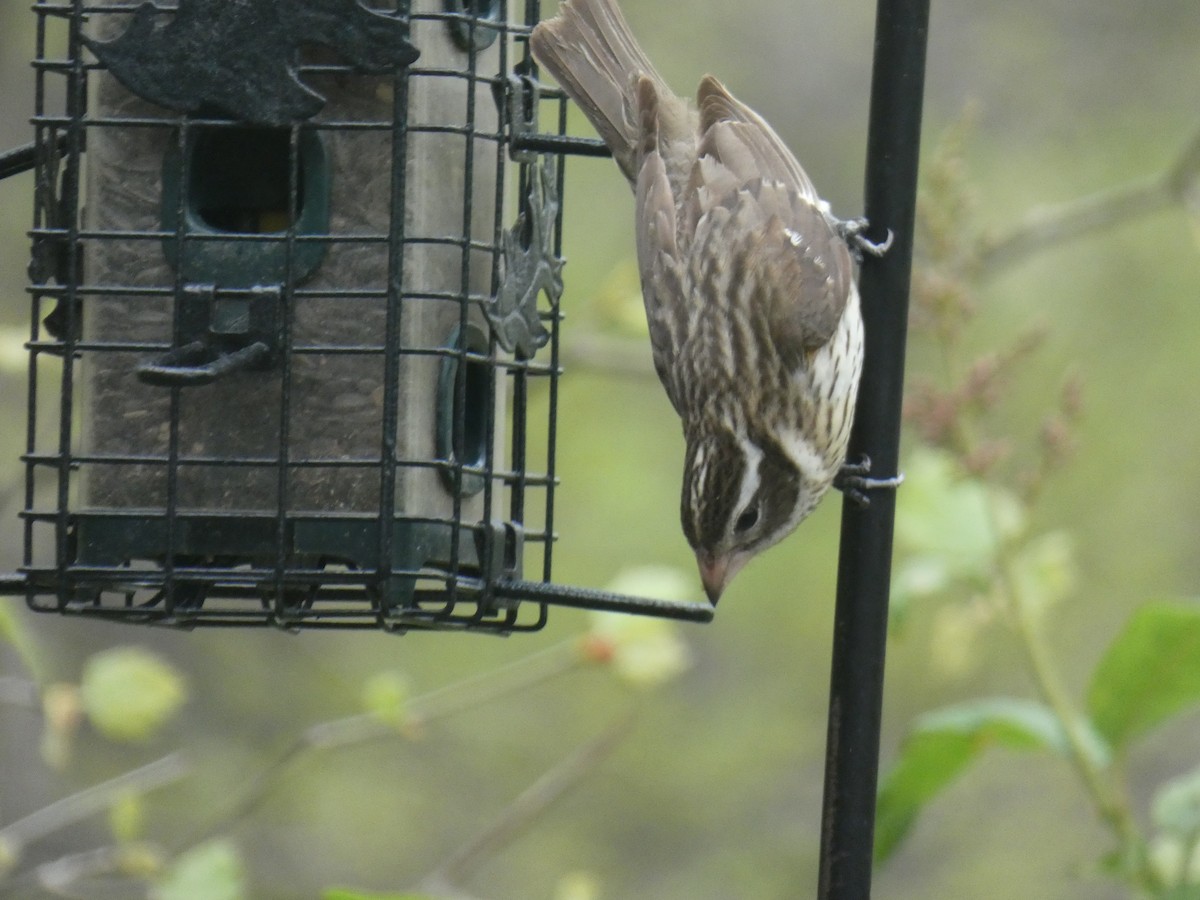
x,y
746,520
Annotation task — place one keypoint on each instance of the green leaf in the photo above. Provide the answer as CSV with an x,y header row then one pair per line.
x,y
385,696
954,636
960,521
211,871
1045,570
914,578
1176,807
942,743
126,817
643,651
1149,673
659,582
349,894
129,693
577,885
1177,863
1181,892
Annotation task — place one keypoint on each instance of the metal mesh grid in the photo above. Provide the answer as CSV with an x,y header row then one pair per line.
x,y
296,366
259,498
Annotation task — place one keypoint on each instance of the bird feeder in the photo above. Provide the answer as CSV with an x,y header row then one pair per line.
x,y
284,325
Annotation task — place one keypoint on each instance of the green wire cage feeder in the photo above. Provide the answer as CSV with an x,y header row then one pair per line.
x,y
284,326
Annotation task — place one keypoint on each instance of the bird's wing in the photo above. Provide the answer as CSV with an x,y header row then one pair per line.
x,y
776,257
808,269
657,247
740,138
748,198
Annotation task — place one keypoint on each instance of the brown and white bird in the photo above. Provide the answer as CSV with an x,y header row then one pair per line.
x,y
748,282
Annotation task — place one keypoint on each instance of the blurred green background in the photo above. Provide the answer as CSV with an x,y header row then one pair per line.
x,y
716,791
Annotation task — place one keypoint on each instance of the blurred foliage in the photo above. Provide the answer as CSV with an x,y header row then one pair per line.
x,y
367,760
129,693
210,871
941,744
966,539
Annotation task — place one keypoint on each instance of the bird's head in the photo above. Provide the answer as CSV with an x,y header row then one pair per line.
x,y
740,496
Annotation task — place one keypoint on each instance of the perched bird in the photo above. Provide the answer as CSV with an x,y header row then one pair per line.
x,y
748,282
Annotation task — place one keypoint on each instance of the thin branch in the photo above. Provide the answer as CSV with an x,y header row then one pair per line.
x,y
1183,180
1095,778
1049,226
90,801
528,806
475,690
60,875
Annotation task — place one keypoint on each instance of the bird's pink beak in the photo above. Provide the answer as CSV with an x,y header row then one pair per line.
x,y
717,572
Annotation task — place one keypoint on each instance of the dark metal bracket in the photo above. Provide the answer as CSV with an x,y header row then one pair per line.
x,y
530,267
517,99
102,540
242,58
23,158
474,24
560,143
220,332
196,364
51,255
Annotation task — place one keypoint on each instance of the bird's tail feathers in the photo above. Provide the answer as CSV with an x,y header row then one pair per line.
x,y
742,140
590,50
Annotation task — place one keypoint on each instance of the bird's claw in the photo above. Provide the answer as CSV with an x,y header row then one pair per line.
x,y
853,482
853,231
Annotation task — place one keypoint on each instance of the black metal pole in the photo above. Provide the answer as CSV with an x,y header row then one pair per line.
x,y
865,559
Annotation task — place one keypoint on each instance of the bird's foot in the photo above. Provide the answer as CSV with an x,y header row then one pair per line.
x,y
853,482
853,233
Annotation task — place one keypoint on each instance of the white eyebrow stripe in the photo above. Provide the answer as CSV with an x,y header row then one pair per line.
x,y
801,452
699,475
751,479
